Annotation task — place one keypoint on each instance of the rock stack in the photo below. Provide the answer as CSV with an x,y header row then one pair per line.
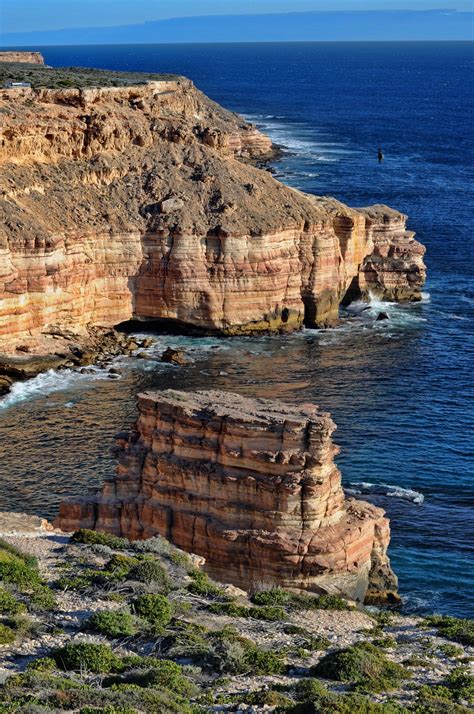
x,y
250,485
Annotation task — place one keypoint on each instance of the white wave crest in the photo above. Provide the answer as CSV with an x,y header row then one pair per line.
x,y
48,383
358,488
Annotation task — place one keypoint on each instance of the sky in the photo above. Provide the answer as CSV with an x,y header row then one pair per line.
x,y
27,15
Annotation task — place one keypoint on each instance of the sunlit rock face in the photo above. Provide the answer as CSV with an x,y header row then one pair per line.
x,y
250,485
22,57
141,202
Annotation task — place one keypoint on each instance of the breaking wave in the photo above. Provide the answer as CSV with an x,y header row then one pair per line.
x,y
358,488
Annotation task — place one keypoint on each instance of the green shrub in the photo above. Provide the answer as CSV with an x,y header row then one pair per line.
x,y
362,665
453,628
150,571
163,674
7,635
17,553
118,567
88,537
87,656
9,605
112,623
266,661
274,596
461,684
155,609
203,585
187,640
15,571
42,599
450,650
315,698
42,664
231,653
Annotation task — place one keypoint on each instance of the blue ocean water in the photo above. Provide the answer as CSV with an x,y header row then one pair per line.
x,y
401,391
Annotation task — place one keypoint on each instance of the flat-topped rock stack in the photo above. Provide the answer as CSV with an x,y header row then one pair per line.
x,y
250,485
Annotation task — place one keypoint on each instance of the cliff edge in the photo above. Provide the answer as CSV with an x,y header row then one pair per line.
x,y
139,201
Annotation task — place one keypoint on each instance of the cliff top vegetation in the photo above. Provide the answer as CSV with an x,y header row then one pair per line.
x,y
73,77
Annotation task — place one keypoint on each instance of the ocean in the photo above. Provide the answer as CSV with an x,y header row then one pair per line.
x,y
401,391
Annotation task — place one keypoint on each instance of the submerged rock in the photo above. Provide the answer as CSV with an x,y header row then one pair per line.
x,y
174,356
250,485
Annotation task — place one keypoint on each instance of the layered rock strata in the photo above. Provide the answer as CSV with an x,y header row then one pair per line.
x,y
250,485
138,202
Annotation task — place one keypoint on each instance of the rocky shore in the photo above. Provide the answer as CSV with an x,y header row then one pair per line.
x,y
96,623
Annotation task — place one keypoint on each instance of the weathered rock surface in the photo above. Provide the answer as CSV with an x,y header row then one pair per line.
x,y
250,485
23,57
139,202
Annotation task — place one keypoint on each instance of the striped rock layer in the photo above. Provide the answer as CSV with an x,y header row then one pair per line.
x,y
139,202
250,485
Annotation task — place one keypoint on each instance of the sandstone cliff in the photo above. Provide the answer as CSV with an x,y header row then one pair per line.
x,y
251,485
23,57
139,202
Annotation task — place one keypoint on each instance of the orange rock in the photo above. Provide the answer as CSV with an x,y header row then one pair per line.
x,y
140,202
250,485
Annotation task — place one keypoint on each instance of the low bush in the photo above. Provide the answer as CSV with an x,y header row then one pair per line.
x,y
150,571
453,628
9,605
231,653
155,609
203,585
7,635
362,665
449,650
42,664
16,571
112,623
87,656
273,596
315,698
88,537
30,560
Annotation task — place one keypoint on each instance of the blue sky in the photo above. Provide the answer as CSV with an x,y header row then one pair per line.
x,y
26,15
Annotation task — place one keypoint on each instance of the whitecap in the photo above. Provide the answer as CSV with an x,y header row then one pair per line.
x,y
383,489
48,383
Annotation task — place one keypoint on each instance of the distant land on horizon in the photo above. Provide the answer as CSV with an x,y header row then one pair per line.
x,y
369,25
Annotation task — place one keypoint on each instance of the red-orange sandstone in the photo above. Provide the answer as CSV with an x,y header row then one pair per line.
x,y
251,485
139,202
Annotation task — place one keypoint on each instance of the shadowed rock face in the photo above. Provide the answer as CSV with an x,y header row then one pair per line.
x,y
250,485
139,202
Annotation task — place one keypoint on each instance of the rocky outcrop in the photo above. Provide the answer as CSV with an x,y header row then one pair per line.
x,y
23,57
139,202
250,485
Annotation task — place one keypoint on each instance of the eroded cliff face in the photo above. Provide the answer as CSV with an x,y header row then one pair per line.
x,y
139,202
250,485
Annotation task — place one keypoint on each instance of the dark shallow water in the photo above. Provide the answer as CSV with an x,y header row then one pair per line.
x,y
400,391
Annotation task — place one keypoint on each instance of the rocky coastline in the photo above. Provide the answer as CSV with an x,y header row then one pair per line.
x,y
222,568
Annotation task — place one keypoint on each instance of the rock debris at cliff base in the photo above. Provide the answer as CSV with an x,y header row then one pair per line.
x,y
250,485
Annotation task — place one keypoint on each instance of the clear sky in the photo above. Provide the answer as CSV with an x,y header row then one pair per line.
x,y
26,15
